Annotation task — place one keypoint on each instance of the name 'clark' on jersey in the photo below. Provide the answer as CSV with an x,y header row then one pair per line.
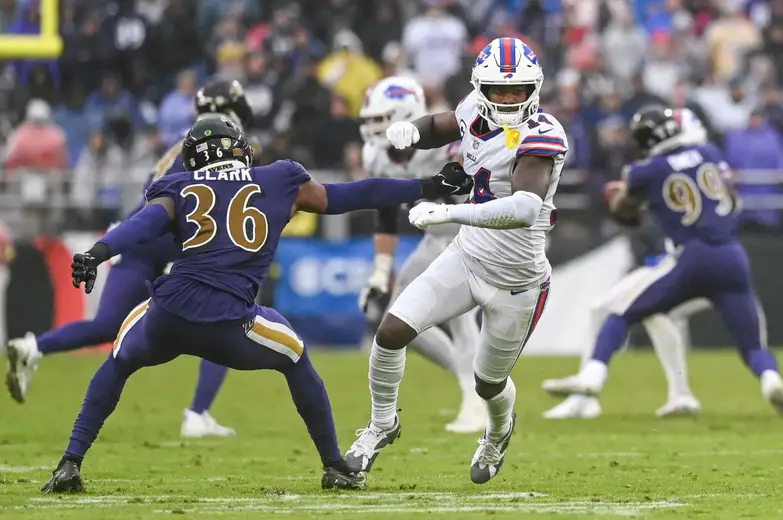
x,y
687,193
422,164
228,221
508,258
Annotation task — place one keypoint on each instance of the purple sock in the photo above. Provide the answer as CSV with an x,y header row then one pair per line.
x,y
610,338
312,402
102,397
210,378
760,360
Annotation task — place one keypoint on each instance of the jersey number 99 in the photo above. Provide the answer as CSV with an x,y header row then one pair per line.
x,y
684,195
247,226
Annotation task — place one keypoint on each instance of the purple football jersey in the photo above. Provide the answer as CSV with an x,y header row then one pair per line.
x,y
687,194
228,222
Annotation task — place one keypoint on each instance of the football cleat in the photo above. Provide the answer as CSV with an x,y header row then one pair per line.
x,y
489,456
772,389
23,359
368,445
569,386
65,479
678,406
575,407
472,416
339,476
203,425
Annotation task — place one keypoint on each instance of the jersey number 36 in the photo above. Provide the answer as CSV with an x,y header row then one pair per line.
x,y
684,195
247,227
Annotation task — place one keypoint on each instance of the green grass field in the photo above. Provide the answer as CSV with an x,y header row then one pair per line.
x,y
723,465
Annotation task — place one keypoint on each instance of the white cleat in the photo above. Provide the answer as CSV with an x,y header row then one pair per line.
x,y
575,407
23,359
569,386
772,389
368,445
472,416
203,425
679,406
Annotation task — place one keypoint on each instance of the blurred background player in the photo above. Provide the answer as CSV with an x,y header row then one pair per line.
x,y
667,332
233,215
401,99
125,287
688,192
497,262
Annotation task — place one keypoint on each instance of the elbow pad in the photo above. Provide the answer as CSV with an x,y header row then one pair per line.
x,y
386,220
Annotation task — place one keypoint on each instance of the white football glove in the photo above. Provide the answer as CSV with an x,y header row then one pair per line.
x,y
402,134
115,259
427,214
377,286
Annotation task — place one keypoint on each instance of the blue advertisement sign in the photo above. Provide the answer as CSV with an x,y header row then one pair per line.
x,y
319,285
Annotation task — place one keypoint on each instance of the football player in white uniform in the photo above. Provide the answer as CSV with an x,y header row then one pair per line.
x,y
497,262
667,332
391,100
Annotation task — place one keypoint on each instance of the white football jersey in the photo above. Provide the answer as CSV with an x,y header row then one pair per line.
x,y
423,164
508,258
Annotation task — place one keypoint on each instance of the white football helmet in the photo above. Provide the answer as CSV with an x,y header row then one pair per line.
x,y
391,100
507,61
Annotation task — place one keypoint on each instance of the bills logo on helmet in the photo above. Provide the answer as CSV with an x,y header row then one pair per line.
x,y
530,54
485,53
397,92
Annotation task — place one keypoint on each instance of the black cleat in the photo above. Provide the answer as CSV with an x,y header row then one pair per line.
x,y
65,479
339,476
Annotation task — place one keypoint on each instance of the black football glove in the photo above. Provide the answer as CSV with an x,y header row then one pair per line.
x,y
451,180
84,267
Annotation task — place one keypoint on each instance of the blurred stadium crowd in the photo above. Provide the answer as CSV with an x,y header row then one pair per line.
x,y
94,122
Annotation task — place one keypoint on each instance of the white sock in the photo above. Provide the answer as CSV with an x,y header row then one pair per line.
x,y
669,345
500,408
386,370
436,345
467,338
594,373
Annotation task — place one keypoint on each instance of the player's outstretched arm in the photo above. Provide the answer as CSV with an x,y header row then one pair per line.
x,y
529,183
374,193
152,221
385,240
430,131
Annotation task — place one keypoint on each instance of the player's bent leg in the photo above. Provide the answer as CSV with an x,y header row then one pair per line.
x,y
268,342
312,402
124,290
665,286
441,293
739,311
579,406
198,422
131,352
509,321
669,345
472,416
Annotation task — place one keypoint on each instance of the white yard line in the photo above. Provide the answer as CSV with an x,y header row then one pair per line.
x,y
21,469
